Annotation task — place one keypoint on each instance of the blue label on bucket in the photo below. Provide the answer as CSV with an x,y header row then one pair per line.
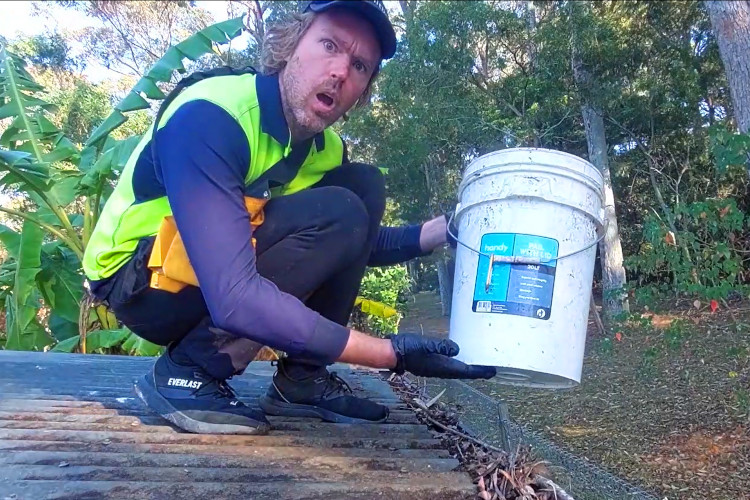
x,y
520,289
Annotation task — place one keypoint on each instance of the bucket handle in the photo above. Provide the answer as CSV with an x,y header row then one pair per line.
x,y
517,259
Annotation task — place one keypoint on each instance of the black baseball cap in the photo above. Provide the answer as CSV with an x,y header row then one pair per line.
x,y
373,10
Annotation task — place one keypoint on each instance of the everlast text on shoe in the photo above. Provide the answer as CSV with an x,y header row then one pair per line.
x,y
181,382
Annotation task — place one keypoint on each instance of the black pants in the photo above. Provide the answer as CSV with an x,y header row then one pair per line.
x,y
302,246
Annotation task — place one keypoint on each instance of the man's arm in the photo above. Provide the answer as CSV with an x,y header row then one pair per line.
x,y
362,349
202,169
417,354
400,244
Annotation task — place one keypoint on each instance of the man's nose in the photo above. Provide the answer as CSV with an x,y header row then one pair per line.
x,y
340,68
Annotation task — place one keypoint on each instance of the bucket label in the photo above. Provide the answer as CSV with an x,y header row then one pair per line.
x,y
522,289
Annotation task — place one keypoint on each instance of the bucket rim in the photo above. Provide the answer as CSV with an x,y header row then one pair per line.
x,y
542,168
598,178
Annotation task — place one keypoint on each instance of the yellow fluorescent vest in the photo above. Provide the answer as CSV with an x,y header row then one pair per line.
x,y
123,222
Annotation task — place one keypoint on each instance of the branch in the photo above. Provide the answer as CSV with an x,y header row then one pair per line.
x,y
426,414
510,106
549,130
597,318
560,494
124,39
654,184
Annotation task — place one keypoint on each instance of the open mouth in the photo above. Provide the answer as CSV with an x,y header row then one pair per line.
x,y
325,99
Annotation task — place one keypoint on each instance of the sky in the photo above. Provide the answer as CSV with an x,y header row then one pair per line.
x,y
16,20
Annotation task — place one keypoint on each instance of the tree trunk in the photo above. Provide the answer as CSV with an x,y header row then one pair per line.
x,y
531,53
731,24
610,249
445,282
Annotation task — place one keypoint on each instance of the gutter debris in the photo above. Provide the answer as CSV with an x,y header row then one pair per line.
x,y
498,474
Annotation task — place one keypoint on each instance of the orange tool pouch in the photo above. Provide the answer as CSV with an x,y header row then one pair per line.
x,y
170,267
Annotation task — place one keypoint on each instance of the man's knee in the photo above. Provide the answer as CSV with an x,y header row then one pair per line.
x,y
348,216
370,187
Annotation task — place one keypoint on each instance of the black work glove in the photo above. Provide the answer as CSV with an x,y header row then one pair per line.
x,y
430,357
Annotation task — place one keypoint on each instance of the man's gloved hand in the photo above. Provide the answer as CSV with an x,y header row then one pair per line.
x,y
430,357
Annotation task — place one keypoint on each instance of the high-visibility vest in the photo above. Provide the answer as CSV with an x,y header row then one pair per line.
x,y
272,171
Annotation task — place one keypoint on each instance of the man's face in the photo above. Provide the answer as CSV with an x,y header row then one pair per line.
x,y
328,71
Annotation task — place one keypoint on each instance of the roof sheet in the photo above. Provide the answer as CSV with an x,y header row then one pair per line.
x,y
72,427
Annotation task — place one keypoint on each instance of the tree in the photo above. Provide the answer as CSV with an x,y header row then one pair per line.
x,y
462,84
79,105
134,35
46,51
259,15
66,186
613,272
731,23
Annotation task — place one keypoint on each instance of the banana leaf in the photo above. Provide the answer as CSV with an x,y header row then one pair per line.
x,y
29,127
61,284
10,240
138,346
61,328
113,159
194,47
23,172
24,330
99,339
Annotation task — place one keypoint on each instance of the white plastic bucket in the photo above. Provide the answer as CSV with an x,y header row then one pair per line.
x,y
537,214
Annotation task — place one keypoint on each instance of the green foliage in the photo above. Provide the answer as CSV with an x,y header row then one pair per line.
x,y
468,78
64,188
388,285
192,48
605,346
116,341
742,399
713,233
96,341
137,346
730,151
647,367
676,334
87,105
24,332
46,51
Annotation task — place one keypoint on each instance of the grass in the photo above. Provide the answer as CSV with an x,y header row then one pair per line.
x,y
666,407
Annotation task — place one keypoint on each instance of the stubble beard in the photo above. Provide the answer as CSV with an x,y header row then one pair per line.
x,y
302,124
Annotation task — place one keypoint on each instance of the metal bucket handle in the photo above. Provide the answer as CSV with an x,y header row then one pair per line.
x,y
517,259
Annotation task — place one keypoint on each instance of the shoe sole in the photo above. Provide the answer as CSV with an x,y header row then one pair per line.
x,y
156,402
272,406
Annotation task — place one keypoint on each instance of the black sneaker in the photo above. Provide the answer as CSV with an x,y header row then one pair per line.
x,y
318,394
193,400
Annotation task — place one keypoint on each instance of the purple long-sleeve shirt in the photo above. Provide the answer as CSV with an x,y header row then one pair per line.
x,y
202,156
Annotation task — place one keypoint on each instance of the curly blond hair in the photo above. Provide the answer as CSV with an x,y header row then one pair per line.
x,y
282,38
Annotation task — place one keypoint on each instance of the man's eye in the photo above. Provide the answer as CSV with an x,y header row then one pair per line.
x,y
360,67
329,45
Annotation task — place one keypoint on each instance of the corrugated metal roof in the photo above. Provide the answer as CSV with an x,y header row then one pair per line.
x,y
71,427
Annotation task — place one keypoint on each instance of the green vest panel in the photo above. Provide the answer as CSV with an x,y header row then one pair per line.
x,y
123,221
